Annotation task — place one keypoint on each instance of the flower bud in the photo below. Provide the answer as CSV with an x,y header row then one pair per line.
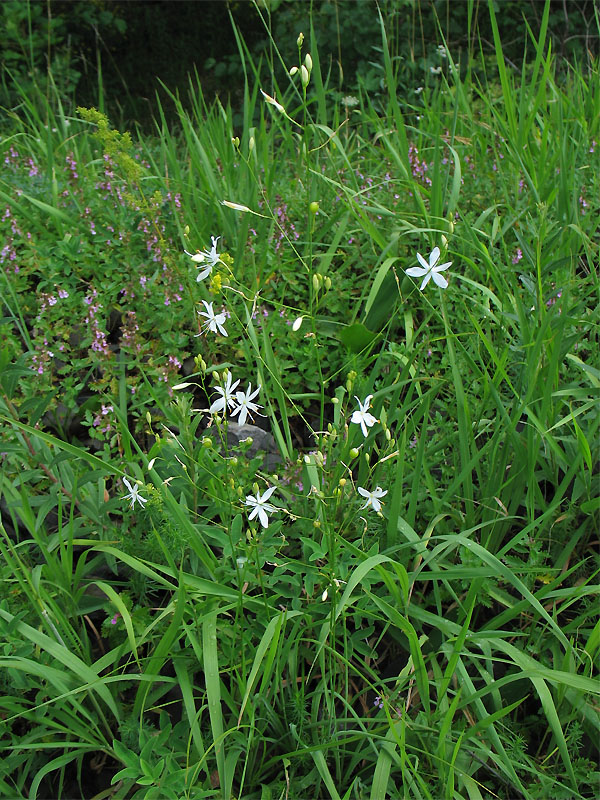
x,y
342,482
148,418
354,452
251,143
151,463
304,76
324,596
334,400
300,40
255,488
313,207
235,141
367,456
235,206
317,523
200,364
388,434
444,241
315,282
206,443
186,230
328,283
233,461
297,323
308,62
293,71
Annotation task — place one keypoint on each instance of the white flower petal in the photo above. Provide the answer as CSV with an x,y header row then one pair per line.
x,y
425,280
264,497
439,280
417,272
434,256
422,262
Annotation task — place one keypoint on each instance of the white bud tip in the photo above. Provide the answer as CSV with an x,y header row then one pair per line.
x,y
235,206
297,323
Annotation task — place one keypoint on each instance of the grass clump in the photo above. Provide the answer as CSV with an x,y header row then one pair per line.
x,y
395,593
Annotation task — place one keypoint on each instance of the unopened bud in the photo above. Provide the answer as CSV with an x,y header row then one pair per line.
x,y
315,282
148,418
233,461
308,62
293,71
388,434
297,323
354,452
304,76
300,40
324,596
334,400
367,456
200,364
317,523
186,230
206,443
255,488
251,143
236,141
328,283
313,207
342,482
444,241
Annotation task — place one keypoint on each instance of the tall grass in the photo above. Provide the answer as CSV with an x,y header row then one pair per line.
x,y
445,646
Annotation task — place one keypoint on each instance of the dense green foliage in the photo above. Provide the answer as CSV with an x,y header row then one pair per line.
x,y
141,46
396,597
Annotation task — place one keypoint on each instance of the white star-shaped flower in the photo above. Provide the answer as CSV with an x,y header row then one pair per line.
x,y
260,507
372,497
134,494
430,270
227,399
214,322
209,258
245,405
362,417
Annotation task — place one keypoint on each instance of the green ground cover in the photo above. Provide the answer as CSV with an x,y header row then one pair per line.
x,y
401,601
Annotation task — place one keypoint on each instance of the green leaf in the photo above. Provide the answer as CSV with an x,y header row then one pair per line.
x,y
357,337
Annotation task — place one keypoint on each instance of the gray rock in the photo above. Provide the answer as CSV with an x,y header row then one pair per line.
x,y
262,442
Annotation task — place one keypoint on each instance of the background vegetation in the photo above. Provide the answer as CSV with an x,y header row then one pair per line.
x,y
396,595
